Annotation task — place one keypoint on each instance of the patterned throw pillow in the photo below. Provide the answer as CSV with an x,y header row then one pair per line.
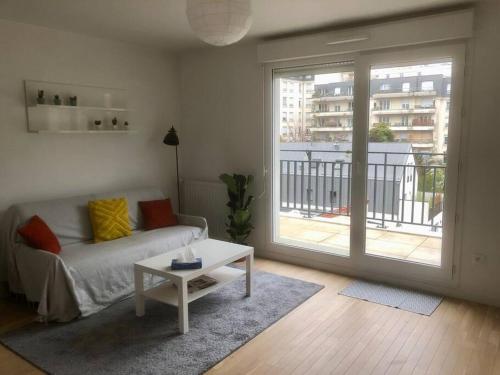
x,y
109,218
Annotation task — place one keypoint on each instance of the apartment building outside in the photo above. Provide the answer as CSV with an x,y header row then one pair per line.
x,y
296,108
415,107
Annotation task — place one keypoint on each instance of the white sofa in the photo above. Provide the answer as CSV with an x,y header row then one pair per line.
x,y
84,277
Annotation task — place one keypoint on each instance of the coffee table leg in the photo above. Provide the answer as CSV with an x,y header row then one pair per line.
x,y
139,290
249,264
183,306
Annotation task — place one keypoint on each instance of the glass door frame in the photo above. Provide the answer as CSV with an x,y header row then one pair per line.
x,y
271,142
401,57
358,261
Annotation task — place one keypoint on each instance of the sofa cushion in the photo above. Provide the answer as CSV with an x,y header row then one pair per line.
x,y
38,235
109,218
157,214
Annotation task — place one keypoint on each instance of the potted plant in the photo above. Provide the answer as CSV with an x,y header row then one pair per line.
x,y
239,223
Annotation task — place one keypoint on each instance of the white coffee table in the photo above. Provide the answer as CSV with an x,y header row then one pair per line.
x,y
174,291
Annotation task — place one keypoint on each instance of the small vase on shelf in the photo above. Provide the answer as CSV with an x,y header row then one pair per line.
x,y
40,98
125,125
114,121
73,101
57,100
97,124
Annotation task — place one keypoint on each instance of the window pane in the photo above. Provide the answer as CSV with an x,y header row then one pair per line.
x,y
406,161
314,161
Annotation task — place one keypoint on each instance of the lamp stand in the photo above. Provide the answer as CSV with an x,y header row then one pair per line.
x,y
178,186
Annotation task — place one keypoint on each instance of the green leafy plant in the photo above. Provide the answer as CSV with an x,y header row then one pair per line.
x,y
381,132
239,223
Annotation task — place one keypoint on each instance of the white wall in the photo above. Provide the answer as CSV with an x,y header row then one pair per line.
x,y
221,107
36,166
222,116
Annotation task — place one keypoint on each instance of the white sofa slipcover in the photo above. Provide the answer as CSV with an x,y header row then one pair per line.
x,y
84,277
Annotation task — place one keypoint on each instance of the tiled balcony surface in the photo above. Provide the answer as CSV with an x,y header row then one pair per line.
x,y
333,236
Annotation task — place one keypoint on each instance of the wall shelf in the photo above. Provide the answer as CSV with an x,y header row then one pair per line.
x,y
81,108
94,103
119,131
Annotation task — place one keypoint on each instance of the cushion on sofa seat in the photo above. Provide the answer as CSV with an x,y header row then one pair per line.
x,y
39,236
109,218
157,214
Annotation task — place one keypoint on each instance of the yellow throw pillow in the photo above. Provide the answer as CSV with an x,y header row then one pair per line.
x,y
109,219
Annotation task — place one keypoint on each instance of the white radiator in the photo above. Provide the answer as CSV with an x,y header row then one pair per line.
x,y
207,199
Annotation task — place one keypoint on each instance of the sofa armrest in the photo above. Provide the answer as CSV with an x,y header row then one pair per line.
x,y
195,221
45,280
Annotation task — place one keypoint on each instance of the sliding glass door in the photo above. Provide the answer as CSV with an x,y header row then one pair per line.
x,y
374,182
313,121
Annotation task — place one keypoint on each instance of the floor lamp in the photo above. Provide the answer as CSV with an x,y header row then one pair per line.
x,y
171,139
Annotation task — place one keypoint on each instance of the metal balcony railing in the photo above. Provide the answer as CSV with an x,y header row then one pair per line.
x,y
402,193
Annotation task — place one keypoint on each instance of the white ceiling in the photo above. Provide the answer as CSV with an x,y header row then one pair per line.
x,y
163,24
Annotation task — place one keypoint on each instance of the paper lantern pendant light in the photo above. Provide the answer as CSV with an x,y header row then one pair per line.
x,y
219,22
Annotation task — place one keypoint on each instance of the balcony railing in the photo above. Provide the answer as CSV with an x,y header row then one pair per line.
x,y
396,192
420,122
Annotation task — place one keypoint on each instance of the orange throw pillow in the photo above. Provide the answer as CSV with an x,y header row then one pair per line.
x,y
38,235
157,214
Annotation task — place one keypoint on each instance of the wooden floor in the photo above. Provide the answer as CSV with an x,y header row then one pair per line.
x,y
333,334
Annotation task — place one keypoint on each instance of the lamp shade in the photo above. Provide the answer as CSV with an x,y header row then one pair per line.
x,y
171,138
219,22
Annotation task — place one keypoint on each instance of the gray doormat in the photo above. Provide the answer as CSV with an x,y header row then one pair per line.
x,y
404,299
115,341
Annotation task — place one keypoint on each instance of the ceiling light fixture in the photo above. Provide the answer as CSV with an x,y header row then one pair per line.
x,y
219,22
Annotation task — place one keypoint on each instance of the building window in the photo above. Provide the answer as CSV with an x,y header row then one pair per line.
x,y
446,140
406,87
336,108
283,117
404,120
405,105
350,106
384,119
385,87
349,122
284,100
323,107
336,91
427,103
427,85
349,90
447,105
448,88
385,104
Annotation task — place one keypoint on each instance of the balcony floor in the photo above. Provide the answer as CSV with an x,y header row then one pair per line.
x,y
333,236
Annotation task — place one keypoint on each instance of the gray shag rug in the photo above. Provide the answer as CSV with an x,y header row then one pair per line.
x,y
115,341
400,298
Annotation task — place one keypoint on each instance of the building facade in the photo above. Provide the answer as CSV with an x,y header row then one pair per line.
x,y
415,107
296,108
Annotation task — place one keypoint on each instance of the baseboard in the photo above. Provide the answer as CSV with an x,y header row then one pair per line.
x,y
329,267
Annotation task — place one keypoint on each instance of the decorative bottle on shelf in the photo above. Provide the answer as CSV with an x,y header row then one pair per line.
x,y
97,124
40,98
125,125
57,100
73,100
114,121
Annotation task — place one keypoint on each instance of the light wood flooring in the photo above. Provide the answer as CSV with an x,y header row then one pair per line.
x,y
333,334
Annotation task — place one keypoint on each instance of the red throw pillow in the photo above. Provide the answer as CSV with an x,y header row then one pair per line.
x,y
157,214
38,235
